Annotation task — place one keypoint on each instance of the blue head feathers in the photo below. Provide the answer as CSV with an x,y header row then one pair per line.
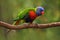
x,y
39,10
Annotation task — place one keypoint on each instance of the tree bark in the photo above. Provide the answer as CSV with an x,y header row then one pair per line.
x,y
27,25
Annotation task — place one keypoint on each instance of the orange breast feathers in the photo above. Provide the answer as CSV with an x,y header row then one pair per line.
x,y
32,14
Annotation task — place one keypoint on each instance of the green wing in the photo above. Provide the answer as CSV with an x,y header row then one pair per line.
x,y
22,13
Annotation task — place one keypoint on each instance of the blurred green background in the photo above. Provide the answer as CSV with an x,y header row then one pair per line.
x,y
10,8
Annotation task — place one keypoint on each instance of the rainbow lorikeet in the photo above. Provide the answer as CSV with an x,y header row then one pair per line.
x,y
28,15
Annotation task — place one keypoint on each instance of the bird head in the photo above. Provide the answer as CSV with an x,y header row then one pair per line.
x,y
40,11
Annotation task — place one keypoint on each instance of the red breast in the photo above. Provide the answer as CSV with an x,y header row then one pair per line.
x,y
32,14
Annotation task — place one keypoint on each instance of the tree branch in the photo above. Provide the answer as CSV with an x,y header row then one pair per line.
x,y
26,25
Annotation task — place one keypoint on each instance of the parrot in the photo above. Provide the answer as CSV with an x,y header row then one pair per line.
x,y
29,15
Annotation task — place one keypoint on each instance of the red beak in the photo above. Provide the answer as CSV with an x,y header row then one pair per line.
x,y
42,12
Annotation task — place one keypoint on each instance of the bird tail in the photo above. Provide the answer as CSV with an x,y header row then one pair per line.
x,y
15,23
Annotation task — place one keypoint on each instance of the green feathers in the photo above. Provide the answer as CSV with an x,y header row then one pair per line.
x,y
22,13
